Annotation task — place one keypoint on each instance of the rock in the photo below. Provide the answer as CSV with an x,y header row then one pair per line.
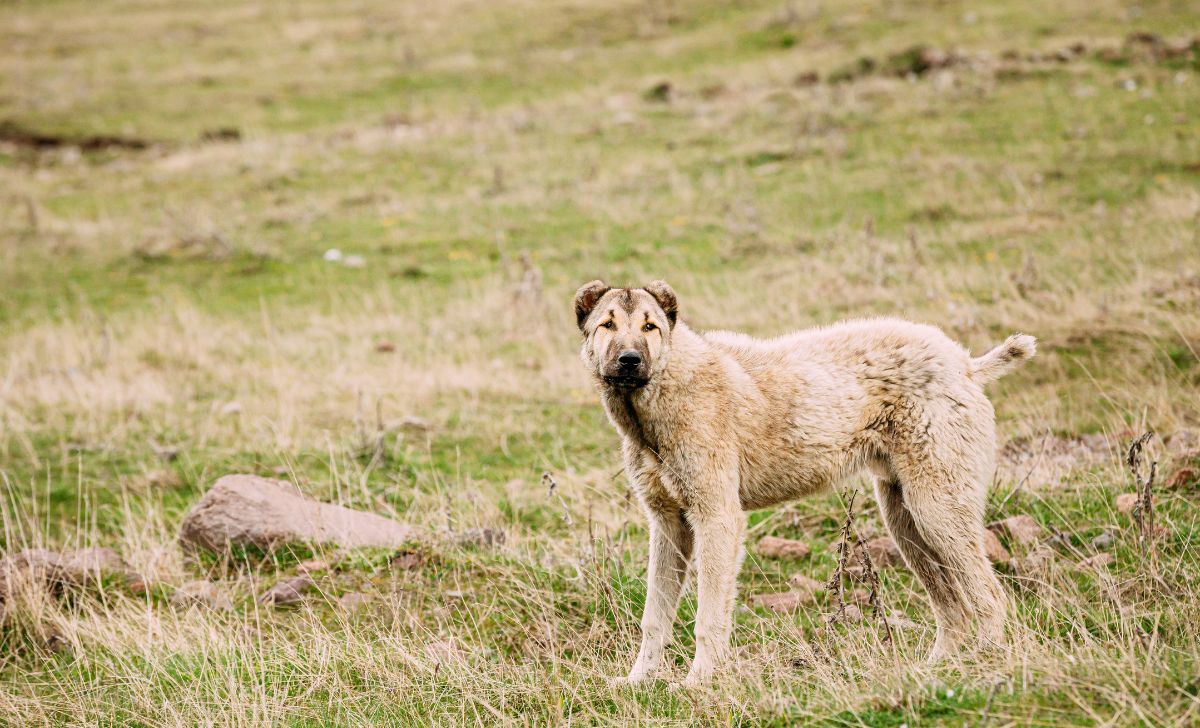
x,y
807,78
248,510
782,548
1103,541
852,613
995,550
408,560
807,587
1097,561
203,594
1039,560
1021,530
1126,502
136,583
482,537
1184,478
288,591
884,553
899,621
787,601
860,596
79,568
352,602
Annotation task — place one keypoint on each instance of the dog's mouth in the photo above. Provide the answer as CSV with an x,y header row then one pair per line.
x,y
626,381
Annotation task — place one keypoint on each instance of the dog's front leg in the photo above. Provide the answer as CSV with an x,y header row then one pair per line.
x,y
720,528
670,552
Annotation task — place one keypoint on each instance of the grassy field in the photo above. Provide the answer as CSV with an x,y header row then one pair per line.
x,y
173,173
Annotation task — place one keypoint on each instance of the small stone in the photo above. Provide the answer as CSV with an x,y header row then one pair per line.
x,y
408,560
782,548
852,613
1103,541
203,594
884,553
1039,560
1126,502
807,78
807,587
860,596
352,602
288,591
1022,530
995,550
899,621
787,601
136,583
1184,478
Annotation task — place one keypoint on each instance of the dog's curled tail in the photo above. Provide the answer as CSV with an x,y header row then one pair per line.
x,y
1003,359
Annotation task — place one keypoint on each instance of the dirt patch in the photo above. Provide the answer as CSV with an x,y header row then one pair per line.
x,y
21,136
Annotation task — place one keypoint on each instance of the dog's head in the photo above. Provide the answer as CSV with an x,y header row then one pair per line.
x,y
626,331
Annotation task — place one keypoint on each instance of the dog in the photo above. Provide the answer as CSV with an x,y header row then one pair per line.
x,y
715,424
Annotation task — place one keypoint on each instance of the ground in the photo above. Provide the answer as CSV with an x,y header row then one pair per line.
x,y
177,180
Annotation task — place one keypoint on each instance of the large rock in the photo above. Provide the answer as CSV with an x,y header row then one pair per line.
x,y
246,510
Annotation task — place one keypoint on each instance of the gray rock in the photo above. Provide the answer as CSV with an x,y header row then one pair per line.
x,y
288,591
248,510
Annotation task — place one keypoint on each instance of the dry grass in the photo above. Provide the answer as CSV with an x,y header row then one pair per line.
x,y
167,316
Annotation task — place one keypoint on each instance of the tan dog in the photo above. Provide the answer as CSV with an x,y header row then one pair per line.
x,y
715,424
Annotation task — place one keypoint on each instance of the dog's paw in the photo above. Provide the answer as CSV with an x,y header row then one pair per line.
x,y
624,681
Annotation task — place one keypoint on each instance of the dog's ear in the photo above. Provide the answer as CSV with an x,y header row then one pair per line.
x,y
586,298
665,297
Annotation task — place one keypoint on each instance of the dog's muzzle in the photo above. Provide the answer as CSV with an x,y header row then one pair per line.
x,y
628,371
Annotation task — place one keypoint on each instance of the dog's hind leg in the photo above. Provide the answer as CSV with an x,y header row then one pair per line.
x,y
944,496
950,606
670,552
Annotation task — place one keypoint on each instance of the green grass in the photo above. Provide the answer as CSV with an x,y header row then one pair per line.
x,y
177,297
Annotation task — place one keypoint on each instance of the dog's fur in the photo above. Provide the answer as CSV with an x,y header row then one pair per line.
x,y
717,423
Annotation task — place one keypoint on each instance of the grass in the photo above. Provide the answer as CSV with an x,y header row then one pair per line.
x,y
177,298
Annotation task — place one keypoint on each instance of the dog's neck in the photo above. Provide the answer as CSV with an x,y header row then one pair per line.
x,y
635,411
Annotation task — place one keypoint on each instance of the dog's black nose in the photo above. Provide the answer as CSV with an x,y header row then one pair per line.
x,y
629,359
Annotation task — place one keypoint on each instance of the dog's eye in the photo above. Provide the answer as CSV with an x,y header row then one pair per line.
x,y
608,325
649,327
